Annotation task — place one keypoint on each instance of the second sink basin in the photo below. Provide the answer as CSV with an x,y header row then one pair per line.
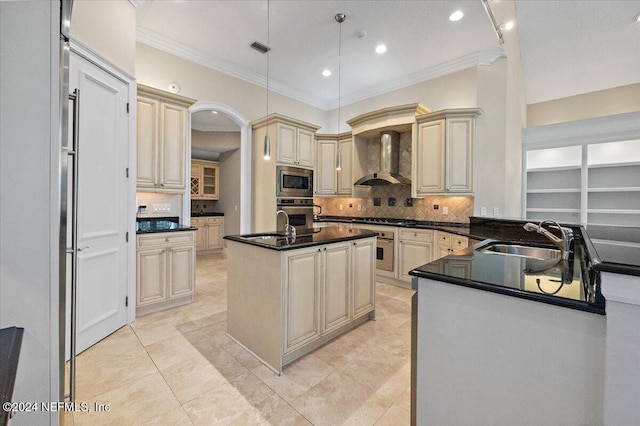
x,y
520,250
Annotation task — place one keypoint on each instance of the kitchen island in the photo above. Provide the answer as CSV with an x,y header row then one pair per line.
x,y
507,340
288,295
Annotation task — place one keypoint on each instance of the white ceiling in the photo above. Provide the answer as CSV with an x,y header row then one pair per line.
x,y
568,47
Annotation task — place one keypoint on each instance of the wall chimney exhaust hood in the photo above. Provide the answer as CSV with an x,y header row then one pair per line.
x,y
389,163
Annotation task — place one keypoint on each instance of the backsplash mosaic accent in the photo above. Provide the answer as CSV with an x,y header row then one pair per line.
x,y
460,208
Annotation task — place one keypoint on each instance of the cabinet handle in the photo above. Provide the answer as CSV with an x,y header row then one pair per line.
x,y
162,184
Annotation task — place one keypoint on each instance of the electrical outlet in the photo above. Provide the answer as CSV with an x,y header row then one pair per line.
x,y
359,207
445,210
496,212
340,207
483,211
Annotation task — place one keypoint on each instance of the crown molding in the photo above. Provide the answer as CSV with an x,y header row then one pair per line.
x,y
158,41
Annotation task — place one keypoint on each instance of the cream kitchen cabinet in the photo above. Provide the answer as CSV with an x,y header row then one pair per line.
x,y
415,249
330,181
364,277
345,174
443,152
326,175
209,234
165,275
448,243
205,180
294,145
161,140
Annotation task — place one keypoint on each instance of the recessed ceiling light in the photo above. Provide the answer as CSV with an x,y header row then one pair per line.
x,y
381,48
456,16
508,26
326,73
214,112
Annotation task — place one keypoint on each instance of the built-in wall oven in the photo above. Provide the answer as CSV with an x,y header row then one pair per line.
x,y
384,251
294,182
299,210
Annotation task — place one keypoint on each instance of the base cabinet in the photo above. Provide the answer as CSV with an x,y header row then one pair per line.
x,y
415,249
165,275
286,304
209,234
448,243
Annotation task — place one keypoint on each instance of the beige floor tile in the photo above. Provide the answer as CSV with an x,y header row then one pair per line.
x,y
332,401
134,403
297,378
370,411
393,312
374,368
258,395
404,400
242,355
224,362
111,363
190,379
176,417
340,351
288,417
223,406
172,351
395,416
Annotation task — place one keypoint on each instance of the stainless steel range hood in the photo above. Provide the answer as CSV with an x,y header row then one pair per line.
x,y
389,163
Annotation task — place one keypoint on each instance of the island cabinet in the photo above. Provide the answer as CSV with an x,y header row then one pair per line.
x,y
161,140
443,152
165,271
416,247
291,302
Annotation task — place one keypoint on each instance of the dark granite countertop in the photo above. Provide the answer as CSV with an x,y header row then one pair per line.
x,y
572,284
10,344
206,214
308,237
161,224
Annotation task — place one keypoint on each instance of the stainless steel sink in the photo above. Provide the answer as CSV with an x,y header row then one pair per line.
x,y
520,250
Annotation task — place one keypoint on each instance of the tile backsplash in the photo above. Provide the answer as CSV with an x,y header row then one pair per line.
x,y
460,208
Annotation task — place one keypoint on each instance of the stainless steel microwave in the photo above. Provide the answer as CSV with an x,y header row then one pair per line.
x,y
294,182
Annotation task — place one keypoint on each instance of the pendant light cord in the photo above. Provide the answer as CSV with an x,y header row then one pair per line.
x,y
268,53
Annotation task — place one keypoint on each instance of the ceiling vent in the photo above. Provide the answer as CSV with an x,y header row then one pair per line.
x,y
262,48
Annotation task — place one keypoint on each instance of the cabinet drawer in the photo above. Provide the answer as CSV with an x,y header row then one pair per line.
x,y
424,235
214,220
459,242
165,238
198,222
444,239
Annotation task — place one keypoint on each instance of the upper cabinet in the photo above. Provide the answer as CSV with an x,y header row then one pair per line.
x,y
294,145
205,180
328,179
443,152
161,140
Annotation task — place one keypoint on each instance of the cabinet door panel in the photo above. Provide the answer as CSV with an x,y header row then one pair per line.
x,y
336,287
286,149
302,287
214,235
152,276
413,254
326,176
201,233
459,155
305,148
147,142
181,267
364,282
173,147
431,156
345,175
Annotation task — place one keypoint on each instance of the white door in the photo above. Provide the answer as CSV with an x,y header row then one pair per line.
x,y
102,201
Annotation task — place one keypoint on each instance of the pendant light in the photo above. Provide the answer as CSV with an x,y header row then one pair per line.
x,y
340,18
267,139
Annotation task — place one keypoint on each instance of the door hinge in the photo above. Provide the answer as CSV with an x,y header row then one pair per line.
x,y
127,107
127,171
126,236
126,301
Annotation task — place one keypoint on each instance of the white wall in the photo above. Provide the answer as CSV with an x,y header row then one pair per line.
x,y
108,27
230,191
29,207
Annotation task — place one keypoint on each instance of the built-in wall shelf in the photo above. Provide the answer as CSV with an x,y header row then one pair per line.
x,y
552,190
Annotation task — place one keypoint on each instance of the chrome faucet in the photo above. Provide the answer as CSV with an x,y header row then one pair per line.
x,y
564,243
289,230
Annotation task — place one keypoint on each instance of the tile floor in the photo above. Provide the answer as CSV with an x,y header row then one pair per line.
x,y
177,367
